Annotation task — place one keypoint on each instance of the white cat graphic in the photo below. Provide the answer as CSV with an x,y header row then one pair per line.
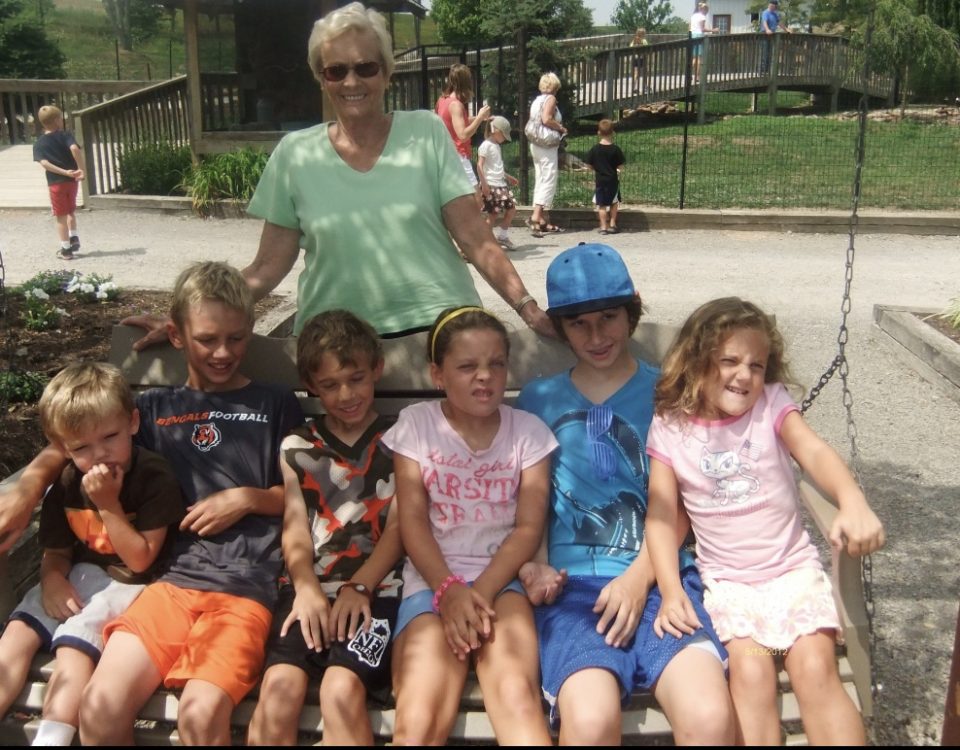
x,y
733,483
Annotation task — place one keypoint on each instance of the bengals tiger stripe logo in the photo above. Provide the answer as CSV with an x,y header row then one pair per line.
x,y
205,436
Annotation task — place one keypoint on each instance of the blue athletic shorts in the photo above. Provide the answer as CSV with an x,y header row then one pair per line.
x,y
569,640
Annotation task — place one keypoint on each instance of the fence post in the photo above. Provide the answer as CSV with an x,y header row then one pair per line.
x,y
702,81
522,107
424,85
86,146
774,68
611,73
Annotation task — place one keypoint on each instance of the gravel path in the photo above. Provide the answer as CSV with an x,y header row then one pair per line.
x,y
909,430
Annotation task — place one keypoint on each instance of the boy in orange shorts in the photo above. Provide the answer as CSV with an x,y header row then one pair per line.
x,y
61,157
203,625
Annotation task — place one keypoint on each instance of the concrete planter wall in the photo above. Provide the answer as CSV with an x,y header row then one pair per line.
x,y
935,356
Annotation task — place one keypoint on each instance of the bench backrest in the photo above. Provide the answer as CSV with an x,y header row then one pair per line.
x,y
405,379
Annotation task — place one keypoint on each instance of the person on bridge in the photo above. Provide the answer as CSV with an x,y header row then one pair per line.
x,y
698,27
770,21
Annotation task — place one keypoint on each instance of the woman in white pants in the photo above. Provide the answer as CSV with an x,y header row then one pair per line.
x,y
545,158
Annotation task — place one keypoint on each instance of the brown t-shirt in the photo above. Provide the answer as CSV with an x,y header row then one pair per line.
x,y
150,497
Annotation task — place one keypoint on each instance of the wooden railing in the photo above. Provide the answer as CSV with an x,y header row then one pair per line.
x,y
156,113
602,77
20,100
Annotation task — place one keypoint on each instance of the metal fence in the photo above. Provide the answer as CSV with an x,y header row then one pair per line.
x,y
741,160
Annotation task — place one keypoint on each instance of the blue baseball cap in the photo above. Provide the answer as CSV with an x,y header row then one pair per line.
x,y
587,278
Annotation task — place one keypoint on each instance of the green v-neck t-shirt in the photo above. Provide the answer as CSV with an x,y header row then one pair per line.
x,y
374,242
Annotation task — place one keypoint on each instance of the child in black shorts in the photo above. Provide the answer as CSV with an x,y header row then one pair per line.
x,y
606,159
341,543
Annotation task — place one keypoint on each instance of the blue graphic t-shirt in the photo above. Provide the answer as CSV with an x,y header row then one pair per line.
x,y
598,495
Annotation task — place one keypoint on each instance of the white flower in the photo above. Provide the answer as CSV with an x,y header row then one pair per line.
x,y
38,293
87,288
61,312
107,286
101,294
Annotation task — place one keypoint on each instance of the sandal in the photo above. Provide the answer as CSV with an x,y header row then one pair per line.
x,y
545,228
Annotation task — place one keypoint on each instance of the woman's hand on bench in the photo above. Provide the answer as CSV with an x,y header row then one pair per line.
x,y
154,325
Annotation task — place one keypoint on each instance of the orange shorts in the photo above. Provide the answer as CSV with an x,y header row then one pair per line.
x,y
63,197
203,635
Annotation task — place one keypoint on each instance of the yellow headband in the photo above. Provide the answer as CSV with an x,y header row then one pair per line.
x,y
446,319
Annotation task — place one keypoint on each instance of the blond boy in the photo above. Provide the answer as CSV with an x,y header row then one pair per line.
x,y
61,157
102,525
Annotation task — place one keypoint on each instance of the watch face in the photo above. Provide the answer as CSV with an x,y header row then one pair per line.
x,y
360,587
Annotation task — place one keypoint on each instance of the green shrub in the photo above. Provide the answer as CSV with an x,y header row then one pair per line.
x,y
154,168
23,387
224,176
51,282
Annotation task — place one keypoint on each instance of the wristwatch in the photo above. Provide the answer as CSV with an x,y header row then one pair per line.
x,y
358,587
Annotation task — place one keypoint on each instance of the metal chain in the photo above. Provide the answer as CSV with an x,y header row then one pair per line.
x,y
6,337
840,363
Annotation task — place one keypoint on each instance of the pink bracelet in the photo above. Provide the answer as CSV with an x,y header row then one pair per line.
x,y
447,583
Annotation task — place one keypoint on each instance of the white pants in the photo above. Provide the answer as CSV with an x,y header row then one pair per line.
x,y
546,173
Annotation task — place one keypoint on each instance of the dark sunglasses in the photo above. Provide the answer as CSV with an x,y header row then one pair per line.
x,y
336,73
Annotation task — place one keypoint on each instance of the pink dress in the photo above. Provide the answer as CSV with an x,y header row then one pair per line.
x,y
762,574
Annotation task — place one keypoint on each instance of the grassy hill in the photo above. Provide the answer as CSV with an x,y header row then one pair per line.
x,y
83,31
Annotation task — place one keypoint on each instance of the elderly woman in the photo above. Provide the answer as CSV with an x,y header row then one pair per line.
x,y
545,158
373,198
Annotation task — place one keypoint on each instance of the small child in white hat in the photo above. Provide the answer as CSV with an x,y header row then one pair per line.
x,y
498,200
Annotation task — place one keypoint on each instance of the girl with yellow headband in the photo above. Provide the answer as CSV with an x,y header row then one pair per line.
x,y
471,485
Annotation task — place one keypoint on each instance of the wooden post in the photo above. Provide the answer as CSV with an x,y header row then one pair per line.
x,y
82,142
951,713
774,67
194,100
612,75
7,598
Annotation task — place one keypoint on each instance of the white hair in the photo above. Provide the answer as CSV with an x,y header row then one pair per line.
x,y
352,17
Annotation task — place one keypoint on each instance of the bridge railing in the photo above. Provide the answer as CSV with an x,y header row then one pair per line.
x,y
155,113
20,100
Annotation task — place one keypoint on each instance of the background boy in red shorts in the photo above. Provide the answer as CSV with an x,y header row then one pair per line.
x,y
61,157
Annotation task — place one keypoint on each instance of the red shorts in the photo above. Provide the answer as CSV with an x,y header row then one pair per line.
x,y
63,197
204,635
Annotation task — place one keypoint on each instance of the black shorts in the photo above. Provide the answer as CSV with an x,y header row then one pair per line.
x,y
367,655
607,194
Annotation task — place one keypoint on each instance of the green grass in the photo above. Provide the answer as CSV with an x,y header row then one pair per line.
x,y
778,162
84,34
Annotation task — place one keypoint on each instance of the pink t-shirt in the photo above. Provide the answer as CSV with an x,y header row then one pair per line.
x,y
473,494
737,484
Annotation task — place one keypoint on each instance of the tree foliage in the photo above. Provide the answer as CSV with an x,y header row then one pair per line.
x,y
133,20
25,49
651,15
924,56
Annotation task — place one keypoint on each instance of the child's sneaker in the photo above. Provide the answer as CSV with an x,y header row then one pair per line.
x,y
75,244
506,243
65,253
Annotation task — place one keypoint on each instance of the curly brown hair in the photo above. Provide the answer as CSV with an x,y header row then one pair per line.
x,y
689,361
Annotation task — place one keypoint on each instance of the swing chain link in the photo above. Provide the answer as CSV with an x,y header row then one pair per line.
x,y
840,365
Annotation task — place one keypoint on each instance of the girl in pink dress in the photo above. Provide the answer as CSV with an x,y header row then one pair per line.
x,y
721,441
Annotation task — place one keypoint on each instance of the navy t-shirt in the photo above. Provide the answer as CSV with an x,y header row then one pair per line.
x,y
55,148
217,441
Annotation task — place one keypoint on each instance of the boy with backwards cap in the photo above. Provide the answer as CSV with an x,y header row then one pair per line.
x,y
598,593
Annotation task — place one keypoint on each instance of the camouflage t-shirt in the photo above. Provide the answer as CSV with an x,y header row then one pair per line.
x,y
347,490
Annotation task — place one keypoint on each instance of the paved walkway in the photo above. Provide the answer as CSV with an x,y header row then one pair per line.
x,y
22,184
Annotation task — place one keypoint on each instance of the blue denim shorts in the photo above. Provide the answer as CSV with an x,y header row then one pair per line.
x,y
422,603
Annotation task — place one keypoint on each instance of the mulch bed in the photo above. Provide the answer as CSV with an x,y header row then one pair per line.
x,y
941,325
84,335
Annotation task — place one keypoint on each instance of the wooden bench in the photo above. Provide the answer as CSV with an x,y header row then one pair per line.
x,y
405,381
